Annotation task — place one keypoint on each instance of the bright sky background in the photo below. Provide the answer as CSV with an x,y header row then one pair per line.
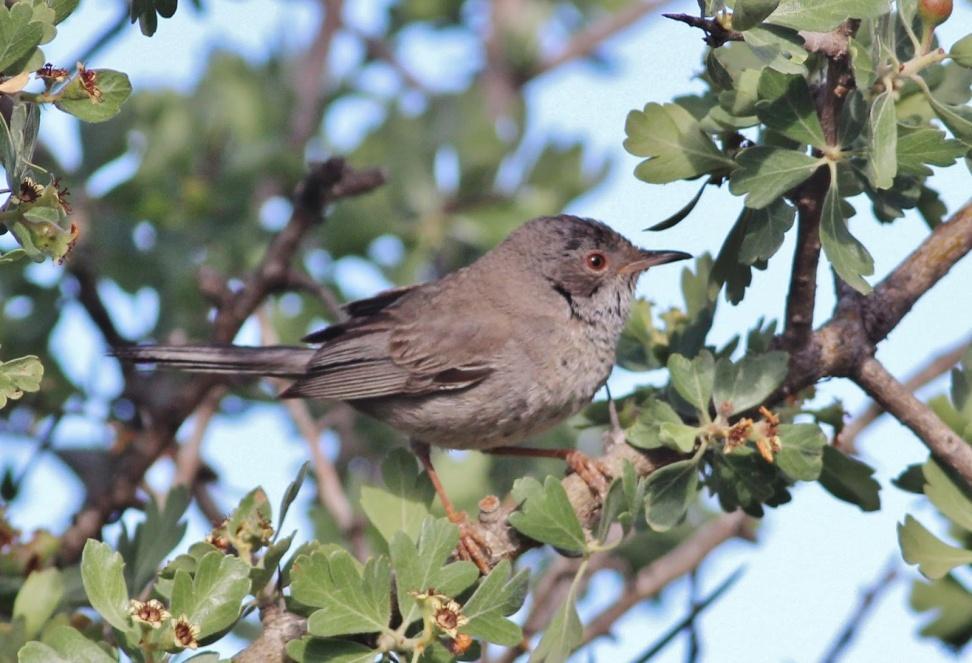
x,y
815,554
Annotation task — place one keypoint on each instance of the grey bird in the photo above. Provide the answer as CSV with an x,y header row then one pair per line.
x,y
483,358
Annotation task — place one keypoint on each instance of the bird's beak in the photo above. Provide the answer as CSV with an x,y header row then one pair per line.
x,y
648,259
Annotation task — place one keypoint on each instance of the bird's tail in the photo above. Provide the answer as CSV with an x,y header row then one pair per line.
x,y
275,361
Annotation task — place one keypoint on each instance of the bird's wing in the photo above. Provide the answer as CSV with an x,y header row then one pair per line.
x,y
418,343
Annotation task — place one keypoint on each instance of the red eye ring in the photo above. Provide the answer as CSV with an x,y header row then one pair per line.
x,y
596,261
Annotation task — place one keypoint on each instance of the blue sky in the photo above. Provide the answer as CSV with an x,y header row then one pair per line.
x,y
815,554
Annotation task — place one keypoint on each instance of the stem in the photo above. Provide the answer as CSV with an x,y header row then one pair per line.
x,y
911,68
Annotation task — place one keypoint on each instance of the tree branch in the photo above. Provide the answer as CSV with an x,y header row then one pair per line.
x,y
938,365
867,603
944,443
310,76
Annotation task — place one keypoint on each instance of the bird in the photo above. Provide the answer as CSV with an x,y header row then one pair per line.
x,y
483,358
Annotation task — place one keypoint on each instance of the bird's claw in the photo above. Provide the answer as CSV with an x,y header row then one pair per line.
x,y
472,545
594,473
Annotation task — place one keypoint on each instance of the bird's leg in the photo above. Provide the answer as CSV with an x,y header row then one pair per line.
x,y
472,546
591,470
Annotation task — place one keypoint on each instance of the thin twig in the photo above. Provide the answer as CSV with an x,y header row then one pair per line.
x,y
944,443
868,601
590,38
682,559
938,365
310,76
188,458
716,34
100,42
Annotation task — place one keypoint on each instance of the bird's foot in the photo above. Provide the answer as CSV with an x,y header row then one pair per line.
x,y
594,473
472,545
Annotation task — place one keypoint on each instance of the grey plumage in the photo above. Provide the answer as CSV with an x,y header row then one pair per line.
x,y
485,356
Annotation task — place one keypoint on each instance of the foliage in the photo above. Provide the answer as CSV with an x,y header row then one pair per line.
x,y
772,123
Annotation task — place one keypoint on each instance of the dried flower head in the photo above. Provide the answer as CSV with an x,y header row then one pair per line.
x,y
446,613
29,191
185,633
151,613
89,81
51,73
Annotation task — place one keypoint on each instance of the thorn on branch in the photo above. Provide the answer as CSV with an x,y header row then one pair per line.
x,y
716,34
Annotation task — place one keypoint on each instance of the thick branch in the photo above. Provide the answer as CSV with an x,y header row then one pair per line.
x,y
279,628
938,365
944,443
685,557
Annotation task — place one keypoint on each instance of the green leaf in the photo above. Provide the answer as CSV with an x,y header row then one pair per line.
x,y
423,568
19,35
37,599
946,495
18,376
961,51
645,433
112,90
263,572
350,601
934,557
916,147
499,595
882,139
404,502
103,576
958,119
847,256
291,494
248,527
778,48
211,598
850,480
765,230
801,456
680,437
63,9
825,15
749,13
313,650
678,216
766,173
693,379
564,633
668,493
674,142
154,539
785,106
748,382
546,515
862,64
950,603
63,644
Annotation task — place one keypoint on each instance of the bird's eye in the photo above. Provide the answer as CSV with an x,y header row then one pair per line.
x,y
596,261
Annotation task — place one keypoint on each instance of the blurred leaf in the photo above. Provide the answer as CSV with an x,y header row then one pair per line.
x,y
862,64
693,378
729,270
111,90
63,644
350,601
849,479
951,604
154,538
545,514
946,495
19,35
102,572
958,119
404,502
825,15
675,144
743,480
668,493
38,598
846,254
765,230
63,9
248,528
19,375
499,595
961,51
749,13
785,106
882,135
290,494
422,568
678,436
314,650
211,598
745,384
262,572
801,456
766,173
934,557
911,479
678,216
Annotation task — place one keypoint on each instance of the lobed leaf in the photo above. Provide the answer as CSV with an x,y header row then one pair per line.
x,y
404,502
499,595
693,379
103,577
786,107
668,493
849,479
801,455
741,385
546,515
934,557
211,598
